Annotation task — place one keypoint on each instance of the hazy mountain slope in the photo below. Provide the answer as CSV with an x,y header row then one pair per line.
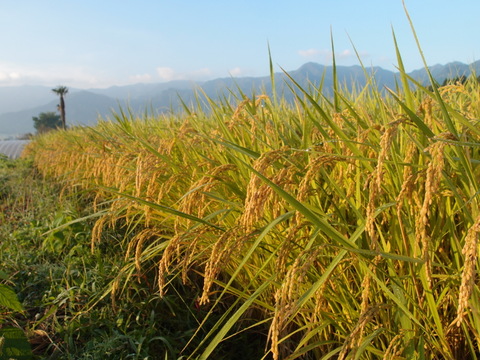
x,y
82,107
448,71
19,104
17,98
310,74
140,91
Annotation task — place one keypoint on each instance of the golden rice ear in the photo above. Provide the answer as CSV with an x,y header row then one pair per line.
x,y
396,347
97,231
432,185
287,294
167,260
409,177
196,202
352,341
426,107
470,254
199,237
138,241
298,234
375,186
227,244
315,163
258,193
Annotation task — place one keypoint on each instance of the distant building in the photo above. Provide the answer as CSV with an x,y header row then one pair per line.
x,y
12,148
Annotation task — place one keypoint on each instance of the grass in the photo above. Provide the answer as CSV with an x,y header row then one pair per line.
x,y
250,227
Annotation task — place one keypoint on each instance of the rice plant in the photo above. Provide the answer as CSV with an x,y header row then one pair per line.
x,y
337,228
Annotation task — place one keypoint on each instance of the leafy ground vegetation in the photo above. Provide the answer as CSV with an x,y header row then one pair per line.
x,y
55,292
337,227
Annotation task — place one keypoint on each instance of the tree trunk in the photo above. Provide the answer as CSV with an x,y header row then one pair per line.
x,y
62,112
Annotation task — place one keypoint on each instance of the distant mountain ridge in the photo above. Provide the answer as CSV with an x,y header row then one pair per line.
x,y
19,104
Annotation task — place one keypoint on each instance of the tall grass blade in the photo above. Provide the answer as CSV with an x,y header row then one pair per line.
x,y
272,77
334,73
448,121
403,75
233,319
163,208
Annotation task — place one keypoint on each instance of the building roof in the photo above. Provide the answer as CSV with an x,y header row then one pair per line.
x,y
12,148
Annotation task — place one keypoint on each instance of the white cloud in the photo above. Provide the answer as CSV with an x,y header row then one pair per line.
x,y
199,74
344,54
11,75
325,55
7,75
169,74
309,53
140,78
14,75
236,71
3,77
166,73
81,77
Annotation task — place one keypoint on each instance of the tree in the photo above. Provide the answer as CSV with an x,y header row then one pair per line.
x,y
62,91
459,79
46,121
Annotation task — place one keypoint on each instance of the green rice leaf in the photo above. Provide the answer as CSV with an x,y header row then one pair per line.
x,y
318,221
232,320
163,208
421,125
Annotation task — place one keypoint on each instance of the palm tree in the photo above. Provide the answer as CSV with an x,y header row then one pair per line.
x,y
62,91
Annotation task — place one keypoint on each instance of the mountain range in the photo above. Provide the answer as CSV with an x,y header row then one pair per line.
x,y
84,107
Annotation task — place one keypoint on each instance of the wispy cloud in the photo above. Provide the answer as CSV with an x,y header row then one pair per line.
x,y
345,54
326,55
309,53
6,76
140,78
81,77
236,71
11,75
200,74
166,73
169,74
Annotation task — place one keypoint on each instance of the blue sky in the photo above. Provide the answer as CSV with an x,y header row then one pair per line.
x,y
86,43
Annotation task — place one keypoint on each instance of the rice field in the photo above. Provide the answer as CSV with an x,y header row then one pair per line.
x,y
346,225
